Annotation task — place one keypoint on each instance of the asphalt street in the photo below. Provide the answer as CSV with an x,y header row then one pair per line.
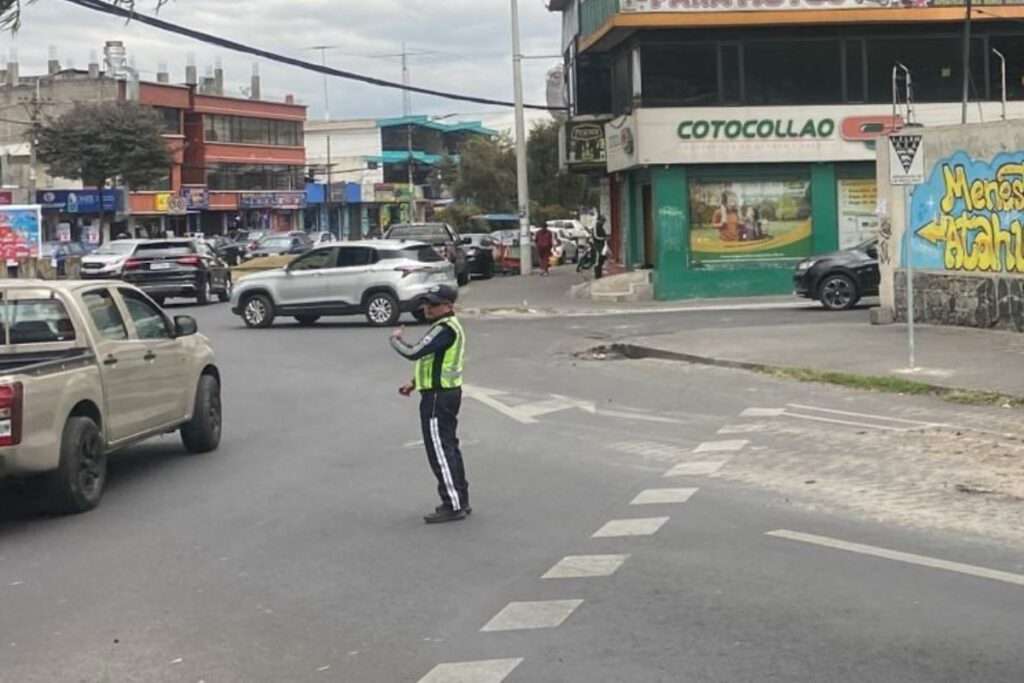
x,y
297,552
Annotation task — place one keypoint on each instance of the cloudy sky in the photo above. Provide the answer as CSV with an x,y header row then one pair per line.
x,y
455,45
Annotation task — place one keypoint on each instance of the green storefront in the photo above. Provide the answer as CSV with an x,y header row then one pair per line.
x,y
727,202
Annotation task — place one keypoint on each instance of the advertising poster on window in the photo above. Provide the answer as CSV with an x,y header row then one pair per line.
x,y
750,220
20,232
858,217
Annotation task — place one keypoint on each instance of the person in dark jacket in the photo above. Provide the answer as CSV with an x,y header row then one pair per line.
x,y
438,377
600,242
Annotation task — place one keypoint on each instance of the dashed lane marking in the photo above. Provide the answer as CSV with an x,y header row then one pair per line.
x,y
650,449
585,566
731,445
695,469
909,558
517,616
630,527
662,496
845,417
743,428
482,671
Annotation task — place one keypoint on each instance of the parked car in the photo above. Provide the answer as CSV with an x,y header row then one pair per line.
x,y
479,248
58,252
572,229
107,262
324,237
840,278
90,368
178,268
377,278
566,248
276,243
438,235
230,251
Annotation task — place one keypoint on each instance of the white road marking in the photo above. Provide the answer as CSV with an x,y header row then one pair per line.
x,y
849,423
486,396
516,616
721,446
482,671
625,415
650,449
661,496
762,412
585,566
743,428
645,526
909,558
695,469
884,418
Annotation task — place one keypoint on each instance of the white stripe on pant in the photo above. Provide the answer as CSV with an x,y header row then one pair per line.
x,y
449,483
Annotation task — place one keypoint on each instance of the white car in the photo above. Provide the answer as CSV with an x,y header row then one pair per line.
x,y
572,229
107,262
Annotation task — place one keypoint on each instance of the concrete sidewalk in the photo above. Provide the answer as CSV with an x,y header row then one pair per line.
x,y
958,357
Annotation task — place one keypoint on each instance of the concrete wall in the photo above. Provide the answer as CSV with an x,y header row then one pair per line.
x,y
967,252
351,142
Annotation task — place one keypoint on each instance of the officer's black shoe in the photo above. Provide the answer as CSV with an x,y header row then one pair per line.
x,y
445,514
468,510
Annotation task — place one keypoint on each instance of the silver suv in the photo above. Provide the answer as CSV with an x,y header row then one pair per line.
x,y
378,278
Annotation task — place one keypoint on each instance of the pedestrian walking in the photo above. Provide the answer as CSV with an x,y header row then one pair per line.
x,y
600,246
545,241
438,358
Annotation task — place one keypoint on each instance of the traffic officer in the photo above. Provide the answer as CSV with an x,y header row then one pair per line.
x,y
438,360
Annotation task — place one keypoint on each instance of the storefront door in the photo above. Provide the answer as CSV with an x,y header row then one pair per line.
x,y
648,211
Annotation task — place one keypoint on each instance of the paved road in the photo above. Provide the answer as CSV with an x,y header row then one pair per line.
x,y
297,551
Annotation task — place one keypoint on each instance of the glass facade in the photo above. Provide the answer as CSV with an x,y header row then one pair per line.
x,y
248,130
255,177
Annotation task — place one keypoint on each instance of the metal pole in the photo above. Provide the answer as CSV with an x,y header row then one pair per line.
x,y
909,257
966,62
412,194
523,191
327,199
406,100
327,105
1002,69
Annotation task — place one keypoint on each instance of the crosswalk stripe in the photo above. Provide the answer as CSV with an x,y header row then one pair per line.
x,y
660,496
516,616
762,412
630,527
585,566
721,446
481,671
695,469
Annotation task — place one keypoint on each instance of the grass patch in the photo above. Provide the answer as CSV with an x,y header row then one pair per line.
x,y
893,385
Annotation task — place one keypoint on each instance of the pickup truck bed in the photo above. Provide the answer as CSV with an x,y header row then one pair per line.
x,y
34,362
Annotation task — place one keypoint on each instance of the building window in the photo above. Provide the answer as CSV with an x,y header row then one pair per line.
x,y
171,119
161,184
934,63
792,72
854,71
680,75
248,130
254,177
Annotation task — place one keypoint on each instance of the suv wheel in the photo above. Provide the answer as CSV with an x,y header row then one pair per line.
x,y
258,311
225,294
838,292
81,476
382,309
203,297
307,320
462,278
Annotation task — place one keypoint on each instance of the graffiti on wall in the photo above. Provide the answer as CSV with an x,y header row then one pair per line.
x,y
968,217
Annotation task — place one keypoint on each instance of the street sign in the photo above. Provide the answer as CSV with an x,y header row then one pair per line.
x,y
177,205
906,159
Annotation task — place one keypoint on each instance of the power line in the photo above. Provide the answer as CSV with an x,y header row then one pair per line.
x,y
107,8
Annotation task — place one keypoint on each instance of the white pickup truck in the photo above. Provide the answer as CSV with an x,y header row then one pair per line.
x,y
88,368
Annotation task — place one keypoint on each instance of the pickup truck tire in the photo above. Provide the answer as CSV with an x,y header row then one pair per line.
x,y
77,484
201,434
258,311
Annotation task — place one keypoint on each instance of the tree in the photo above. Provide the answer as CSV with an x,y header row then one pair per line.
x,y
485,174
101,142
10,10
553,194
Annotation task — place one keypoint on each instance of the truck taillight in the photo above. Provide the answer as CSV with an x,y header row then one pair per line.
x,y
11,411
131,262
406,271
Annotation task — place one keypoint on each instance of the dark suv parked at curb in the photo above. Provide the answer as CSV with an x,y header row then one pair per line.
x,y
178,268
840,278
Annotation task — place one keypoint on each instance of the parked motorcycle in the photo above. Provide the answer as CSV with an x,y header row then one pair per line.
x,y
588,259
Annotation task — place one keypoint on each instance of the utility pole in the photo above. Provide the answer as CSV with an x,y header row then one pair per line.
x,y
406,100
966,63
327,199
523,191
412,193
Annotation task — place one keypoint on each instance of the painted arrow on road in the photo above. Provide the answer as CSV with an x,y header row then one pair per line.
x,y
527,413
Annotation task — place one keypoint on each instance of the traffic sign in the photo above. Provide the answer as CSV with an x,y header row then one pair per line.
x,y
906,159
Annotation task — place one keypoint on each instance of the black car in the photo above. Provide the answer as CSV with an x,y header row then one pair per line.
x,y
479,248
178,268
229,250
438,235
272,244
840,278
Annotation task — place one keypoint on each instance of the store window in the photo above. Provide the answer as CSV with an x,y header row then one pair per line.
x,y
680,75
248,130
856,203
793,72
254,177
749,220
935,65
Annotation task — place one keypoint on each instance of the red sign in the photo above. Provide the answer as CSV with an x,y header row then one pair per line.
x,y
6,197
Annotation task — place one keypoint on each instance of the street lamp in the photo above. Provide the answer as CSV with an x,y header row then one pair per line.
x,y
523,191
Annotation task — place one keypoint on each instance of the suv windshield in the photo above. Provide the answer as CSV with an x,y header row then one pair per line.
x,y
276,243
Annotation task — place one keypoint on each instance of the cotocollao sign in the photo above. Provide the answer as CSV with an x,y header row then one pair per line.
x,y
757,129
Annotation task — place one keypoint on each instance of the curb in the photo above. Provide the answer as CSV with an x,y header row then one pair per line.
x,y
520,312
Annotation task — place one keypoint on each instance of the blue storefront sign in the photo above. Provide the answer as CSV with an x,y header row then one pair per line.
x,y
197,197
79,201
268,200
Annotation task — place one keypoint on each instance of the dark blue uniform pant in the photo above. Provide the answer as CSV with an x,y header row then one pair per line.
x,y
439,418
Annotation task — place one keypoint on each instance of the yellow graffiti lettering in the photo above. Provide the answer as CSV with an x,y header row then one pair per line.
x,y
1018,194
1017,261
1002,248
955,180
977,195
954,256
